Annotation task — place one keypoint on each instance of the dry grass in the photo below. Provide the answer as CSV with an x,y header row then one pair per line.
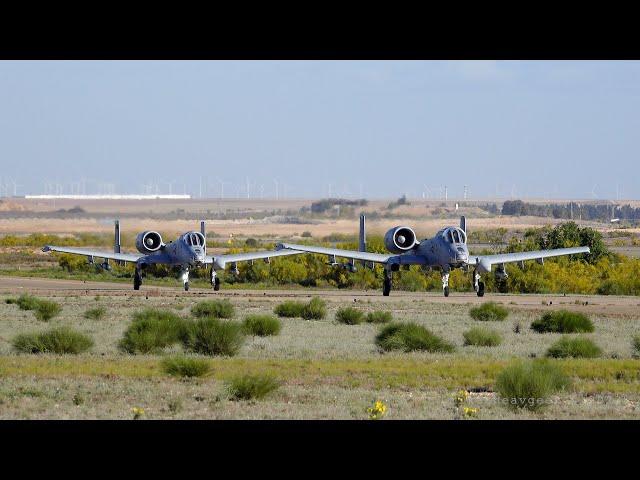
x,y
328,370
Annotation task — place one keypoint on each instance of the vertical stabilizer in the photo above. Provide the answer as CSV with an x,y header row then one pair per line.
x,y
116,239
203,231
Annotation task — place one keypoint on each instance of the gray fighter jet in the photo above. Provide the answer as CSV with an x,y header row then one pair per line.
x,y
188,251
445,251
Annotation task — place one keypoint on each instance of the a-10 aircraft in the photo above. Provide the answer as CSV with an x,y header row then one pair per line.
x,y
188,251
445,251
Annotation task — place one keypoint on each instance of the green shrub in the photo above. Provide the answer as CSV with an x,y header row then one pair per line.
x,y
635,343
563,321
574,347
27,302
261,325
410,337
379,317
482,337
213,309
489,311
349,316
212,336
316,309
181,366
289,309
251,387
529,384
152,330
96,313
11,301
57,340
45,310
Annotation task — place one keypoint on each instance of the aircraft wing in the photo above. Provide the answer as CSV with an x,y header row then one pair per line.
x,y
485,262
366,256
123,257
221,260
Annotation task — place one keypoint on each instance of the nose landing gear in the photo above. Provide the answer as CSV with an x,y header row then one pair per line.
x,y
478,286
185,278
445,282
215,281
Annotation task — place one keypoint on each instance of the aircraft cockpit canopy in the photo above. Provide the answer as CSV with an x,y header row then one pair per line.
x,y
194,239
454,235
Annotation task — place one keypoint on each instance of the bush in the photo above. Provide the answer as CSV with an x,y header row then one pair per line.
x,y
574,347
96,313
27,302
261,325
314,310
563,321
213,309
152,330
251,387
489,311
45,310
527,385
410,337
635,342
349,316
212,336
289,309
379,317
482,337
181,366
58,340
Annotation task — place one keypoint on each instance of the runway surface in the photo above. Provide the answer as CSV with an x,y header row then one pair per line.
x,y
57,287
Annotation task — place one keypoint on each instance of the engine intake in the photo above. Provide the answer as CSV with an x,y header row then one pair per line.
x,y
400,239
149,242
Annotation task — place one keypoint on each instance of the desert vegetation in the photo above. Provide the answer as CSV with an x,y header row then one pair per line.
x,y
409,337
60,340
528,385
563,321
251,387
489,311
482,337
183,366
575,347
261,325
350,316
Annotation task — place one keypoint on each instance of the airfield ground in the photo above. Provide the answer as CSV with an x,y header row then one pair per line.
x,y
328,370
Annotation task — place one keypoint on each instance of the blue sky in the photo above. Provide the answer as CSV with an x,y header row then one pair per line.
x,y
523,129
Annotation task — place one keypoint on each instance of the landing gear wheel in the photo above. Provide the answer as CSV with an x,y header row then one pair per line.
x,y
386,286
186,286
137,281
481,289
446,291
216,284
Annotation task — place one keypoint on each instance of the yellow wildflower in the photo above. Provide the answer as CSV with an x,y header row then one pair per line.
x,y
138,412
377,410
470,412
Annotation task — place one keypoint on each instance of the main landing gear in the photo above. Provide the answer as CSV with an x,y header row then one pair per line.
x,y
215,281
386,284
137,278
478,285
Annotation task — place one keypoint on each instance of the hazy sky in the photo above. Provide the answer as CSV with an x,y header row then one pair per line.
x,y
558,129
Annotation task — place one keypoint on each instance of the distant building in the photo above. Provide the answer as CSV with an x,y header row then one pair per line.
x,y
110,197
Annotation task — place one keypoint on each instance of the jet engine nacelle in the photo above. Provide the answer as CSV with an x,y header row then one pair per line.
x,y
400,239
149,242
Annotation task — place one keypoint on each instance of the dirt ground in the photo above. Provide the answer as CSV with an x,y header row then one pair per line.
x,y
326,369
